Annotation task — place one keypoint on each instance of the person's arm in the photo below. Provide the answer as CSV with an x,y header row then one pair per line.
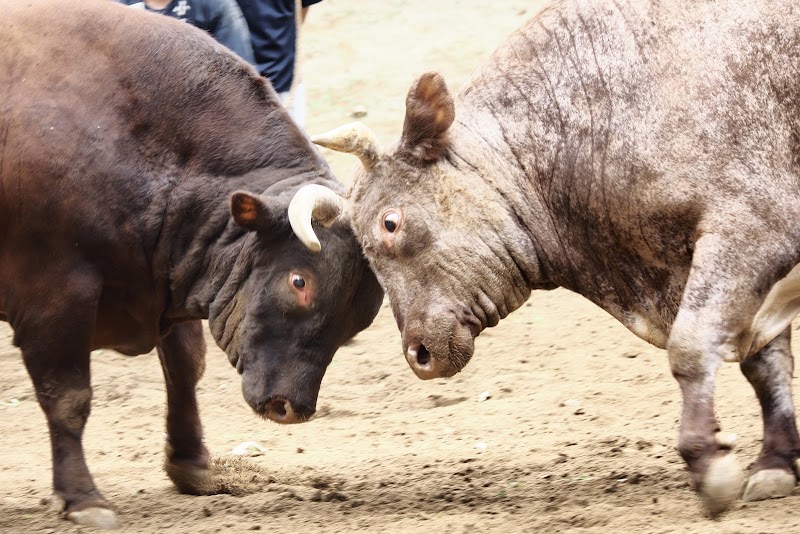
x,y
230,29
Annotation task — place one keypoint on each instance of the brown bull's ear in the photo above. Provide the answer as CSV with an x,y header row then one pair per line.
x,y
254,212
429,114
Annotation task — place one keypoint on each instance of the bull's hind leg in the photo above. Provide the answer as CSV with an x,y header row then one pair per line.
x,y
722,296
770,373
182,352
55,343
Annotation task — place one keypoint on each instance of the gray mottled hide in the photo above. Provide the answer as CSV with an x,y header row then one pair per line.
x,y
641,153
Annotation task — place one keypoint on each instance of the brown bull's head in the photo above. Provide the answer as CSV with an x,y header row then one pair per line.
x,y
430,225
289,309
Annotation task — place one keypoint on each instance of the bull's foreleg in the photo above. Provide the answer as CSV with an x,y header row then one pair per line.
x,y
182,353
707,452
712,324
770,373
58,364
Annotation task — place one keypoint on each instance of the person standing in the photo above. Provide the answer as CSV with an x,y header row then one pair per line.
x,y
221,18
274,26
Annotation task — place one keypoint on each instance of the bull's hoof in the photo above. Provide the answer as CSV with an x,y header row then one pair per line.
x,y
94,517
190,479
769,484
722,484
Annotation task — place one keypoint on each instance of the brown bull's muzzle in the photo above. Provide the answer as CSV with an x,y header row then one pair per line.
x,y
282,411
285,398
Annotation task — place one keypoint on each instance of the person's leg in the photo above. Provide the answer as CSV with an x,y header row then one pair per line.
x,y
298,109
295,103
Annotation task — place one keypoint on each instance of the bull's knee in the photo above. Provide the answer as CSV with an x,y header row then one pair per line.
x,y
69,409
692,447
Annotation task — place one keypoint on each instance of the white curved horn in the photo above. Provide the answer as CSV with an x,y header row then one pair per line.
x,y
315,202
353,138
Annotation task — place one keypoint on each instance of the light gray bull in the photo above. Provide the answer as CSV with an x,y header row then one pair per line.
x,y
643,154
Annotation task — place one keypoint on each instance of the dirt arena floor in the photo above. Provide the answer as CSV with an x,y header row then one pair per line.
x,y
563,421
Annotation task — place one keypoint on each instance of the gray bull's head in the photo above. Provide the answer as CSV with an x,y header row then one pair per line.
x,y
434,232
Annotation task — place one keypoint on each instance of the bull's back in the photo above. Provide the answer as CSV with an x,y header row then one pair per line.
x,y
634,124
94,135
672,101
103,109
67,165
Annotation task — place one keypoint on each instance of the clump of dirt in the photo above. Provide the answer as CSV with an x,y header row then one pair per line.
x,y
235,476
226,475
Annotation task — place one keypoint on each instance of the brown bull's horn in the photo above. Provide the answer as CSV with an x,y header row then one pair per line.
x,y
315,202
353,138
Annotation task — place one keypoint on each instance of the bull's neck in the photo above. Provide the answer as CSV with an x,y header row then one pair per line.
x,y
210,256
479,138
205,276
204,247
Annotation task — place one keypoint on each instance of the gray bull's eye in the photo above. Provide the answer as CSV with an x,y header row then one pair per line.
x,y
391,220
298,281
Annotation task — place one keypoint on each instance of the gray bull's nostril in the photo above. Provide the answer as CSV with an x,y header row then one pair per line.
x,y
418,356
422,362
423,356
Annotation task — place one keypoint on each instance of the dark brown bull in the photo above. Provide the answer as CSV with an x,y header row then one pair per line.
x,y
644,154
145,175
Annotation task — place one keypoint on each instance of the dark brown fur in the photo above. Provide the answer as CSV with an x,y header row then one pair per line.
x,y
122,137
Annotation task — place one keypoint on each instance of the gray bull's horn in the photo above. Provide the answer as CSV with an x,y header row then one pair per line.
x,y
353,138
315,202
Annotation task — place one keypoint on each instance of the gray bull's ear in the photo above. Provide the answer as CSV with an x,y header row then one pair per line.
x,y
429,114
254,212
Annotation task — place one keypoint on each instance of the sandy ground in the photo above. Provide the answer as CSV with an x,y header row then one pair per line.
x,y
577,433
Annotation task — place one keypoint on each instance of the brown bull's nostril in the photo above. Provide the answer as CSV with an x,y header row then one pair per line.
x,y
278,408
423,356
281,410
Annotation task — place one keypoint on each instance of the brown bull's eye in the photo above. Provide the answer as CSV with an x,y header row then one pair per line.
x,y
298,281
390,221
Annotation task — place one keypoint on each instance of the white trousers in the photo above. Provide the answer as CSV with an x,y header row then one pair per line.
x,y
295,102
